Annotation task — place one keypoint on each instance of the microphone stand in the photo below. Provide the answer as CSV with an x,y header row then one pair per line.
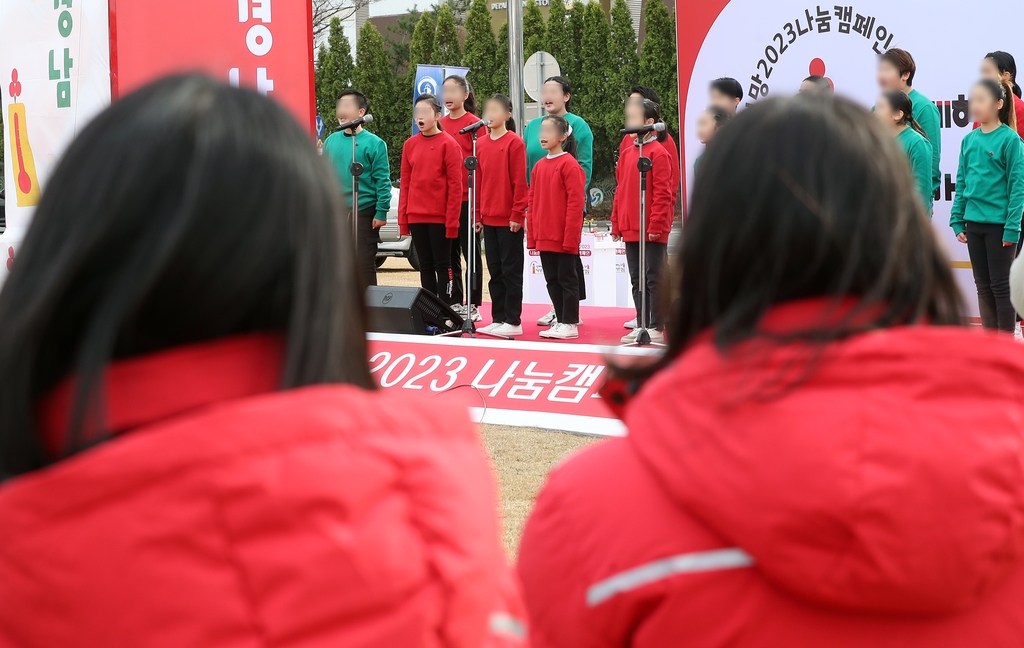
x,y
643,165
356,169
468,328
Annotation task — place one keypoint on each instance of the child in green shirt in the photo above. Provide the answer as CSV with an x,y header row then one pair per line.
x,y
895,110
990,199
374,183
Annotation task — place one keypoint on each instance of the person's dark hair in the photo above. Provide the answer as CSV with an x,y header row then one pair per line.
x,y
1002,92
221,221
820,83
645,92
569,145
902,61
361,100
566,86
506,103
901,101
435,105
720,115
653,111
467,87
728,86
1006,63
805,197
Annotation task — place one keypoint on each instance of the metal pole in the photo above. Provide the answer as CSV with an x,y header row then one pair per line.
x,y
515,61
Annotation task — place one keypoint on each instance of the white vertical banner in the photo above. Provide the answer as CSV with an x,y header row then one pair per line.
x,y
54,77
771,46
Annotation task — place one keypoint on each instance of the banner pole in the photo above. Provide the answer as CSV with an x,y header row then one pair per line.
x,y
515,61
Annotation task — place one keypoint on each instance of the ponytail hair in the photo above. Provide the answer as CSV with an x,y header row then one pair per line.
x,y
562,124
505,103
901,102
653,111
1002,92
470,103
1005,63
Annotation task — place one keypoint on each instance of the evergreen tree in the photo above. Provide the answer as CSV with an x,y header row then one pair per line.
x,y
481,50
373,77
501,61
658,61
333,72
446,39
576,15
559,39
625,66
593,98
533,29
422,45
399,40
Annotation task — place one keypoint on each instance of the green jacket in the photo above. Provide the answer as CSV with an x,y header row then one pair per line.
x,y
584,146
919,154
990,181
375,182
927,115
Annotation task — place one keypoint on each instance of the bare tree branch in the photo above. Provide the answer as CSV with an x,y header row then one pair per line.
x,y
325,10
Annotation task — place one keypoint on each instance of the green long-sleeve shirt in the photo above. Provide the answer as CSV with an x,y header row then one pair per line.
x,y
919,154
927,115
584,146
990,181
375,182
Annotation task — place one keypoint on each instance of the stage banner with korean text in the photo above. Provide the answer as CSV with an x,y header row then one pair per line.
x,y
262,44
532,384
771,46
54,77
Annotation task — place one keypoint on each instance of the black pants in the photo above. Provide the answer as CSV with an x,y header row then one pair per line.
x,y
991,262
655,259
367,239
504,250
560,273
460,250
435,253
581,277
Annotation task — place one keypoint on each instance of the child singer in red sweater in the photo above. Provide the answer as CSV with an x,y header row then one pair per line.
x,y
503,200
555,223
431,196
460,100
660,206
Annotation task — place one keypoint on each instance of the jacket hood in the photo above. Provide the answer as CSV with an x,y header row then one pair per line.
x,y
883,473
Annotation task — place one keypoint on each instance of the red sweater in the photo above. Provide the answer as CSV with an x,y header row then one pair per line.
x,y
555,220
465,142
661,191
431,187
673,152
872,502
503,194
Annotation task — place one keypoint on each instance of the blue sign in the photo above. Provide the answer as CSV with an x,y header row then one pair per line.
x,y
320,127
428,81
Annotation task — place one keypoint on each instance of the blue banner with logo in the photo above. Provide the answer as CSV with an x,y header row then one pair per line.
x,y
428,81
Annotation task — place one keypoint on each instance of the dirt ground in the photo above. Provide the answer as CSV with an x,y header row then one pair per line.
x,y
522,456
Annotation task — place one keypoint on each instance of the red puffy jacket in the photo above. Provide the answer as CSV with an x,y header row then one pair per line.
x,y
880,502
234,515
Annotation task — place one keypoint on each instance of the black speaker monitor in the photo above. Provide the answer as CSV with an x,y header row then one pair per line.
x,y
412,311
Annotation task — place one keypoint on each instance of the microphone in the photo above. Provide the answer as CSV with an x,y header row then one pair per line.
x,y
659,127
473,127
365,119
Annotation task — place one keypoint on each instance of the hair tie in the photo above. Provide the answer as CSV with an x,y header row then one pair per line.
x,y
568,133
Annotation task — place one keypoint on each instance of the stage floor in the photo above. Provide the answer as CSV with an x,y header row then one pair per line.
x,y
601,325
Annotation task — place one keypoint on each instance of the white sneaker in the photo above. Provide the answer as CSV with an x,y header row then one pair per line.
x,y
630,338
631,324
548,320
561,332
475,314
490,328
508,330
657,337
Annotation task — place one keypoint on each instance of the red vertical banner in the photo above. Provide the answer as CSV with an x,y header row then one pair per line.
x,y
693,22
262,44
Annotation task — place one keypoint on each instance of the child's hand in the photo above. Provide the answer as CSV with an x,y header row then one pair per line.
x,y
962,237
514,227
1005,244
653,237
616,238
377,223
479,227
